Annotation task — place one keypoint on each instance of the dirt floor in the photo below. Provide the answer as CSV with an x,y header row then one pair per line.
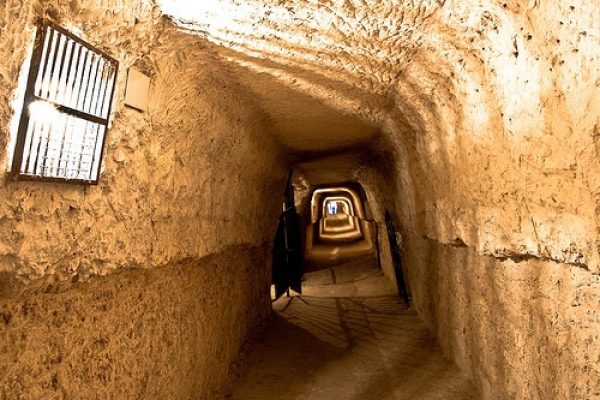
x,y
347,337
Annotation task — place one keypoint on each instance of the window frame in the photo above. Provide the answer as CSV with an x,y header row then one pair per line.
x,y
42,26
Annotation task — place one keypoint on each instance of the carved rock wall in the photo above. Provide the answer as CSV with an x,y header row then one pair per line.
x,y
489,110
179,223
183,180
170,332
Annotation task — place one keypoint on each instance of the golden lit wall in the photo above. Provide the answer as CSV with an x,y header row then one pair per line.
x,y
488,155
164,170
178,224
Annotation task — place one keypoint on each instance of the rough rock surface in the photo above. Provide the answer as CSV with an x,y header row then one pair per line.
x,y
161,333
488,127
491,107
522,327
524,330
180,183
200,154
489,145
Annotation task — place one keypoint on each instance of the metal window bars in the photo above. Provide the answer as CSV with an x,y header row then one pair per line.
x,y
66,109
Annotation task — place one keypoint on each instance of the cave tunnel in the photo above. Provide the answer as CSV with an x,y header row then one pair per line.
x,y
438,163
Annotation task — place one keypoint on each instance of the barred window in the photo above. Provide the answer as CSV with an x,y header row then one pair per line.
x,y
66,109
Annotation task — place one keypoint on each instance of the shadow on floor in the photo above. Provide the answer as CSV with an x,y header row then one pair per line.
x,y
347,347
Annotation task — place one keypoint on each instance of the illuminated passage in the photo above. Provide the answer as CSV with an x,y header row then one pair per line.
x,y
416,181
338,227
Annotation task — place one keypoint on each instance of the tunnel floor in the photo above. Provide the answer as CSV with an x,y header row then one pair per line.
x,y
347,337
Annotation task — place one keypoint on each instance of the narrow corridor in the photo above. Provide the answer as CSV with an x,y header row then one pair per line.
x,y
347,337
163,163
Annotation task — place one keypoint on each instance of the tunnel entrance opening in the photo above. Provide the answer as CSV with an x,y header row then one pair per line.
x,y
337,229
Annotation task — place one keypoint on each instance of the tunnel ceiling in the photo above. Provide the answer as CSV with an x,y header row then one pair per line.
x,y
301,122
484,105
331,169
295,63
328,73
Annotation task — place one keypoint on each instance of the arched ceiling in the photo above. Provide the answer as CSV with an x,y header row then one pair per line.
x,y
485,106
330,169
301,122
337,72
305,63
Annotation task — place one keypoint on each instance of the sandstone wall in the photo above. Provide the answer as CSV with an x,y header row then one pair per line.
x,y
488,116
180,183
162,333
522,327
524,330
491,106
375,198
496,171
489,142
165,171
